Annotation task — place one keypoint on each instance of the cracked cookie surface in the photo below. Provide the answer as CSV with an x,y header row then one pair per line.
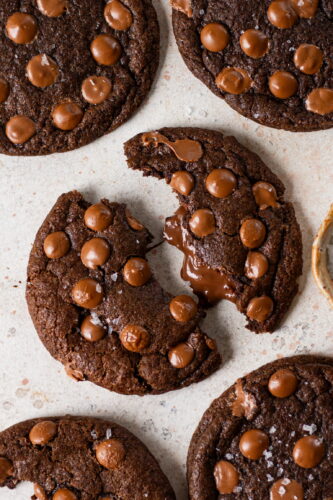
x,y
72,71
240,238
80,458
268,436
269,60
99,310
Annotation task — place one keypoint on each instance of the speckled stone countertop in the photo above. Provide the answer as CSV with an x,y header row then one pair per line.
x,y
32,384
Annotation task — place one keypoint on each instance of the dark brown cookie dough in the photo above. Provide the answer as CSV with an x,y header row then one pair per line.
x,y
268,436
72,71
98,309
270,60
240,239
80,458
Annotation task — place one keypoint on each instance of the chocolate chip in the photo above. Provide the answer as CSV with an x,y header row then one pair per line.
x,y
52,8
226,477
106,50
254,43
252,233
56,245
320,101
221,182
253,443
283,84
64,494
21,28
260,308
19,129
265,195
308,58
42,71
136,271
133,222
184,149
182,182
305,8
98,217
181,355
39,492
43,432
96,89
183,308
6,469
4,90
233,80
67,115
308,452
134,338
95,252
92,329
110,453
281,14
214,37
256,265
118,16
87,293
202,222
282,383
286,489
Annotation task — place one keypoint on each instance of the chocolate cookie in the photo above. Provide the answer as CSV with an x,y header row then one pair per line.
x,y
98,309
268,436
72,72
240,239
72,458
270,60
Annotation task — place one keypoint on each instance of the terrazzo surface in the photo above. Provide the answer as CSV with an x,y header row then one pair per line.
x,y
32,384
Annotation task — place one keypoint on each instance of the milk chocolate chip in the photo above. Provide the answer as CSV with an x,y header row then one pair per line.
x,y
98,217
106,50
226,477
308,452
183,6
134,338
64,494
95,252
110,453
286,489
133,222
21,28
281,14
265,195
136,271
260,308
308,58
118,16
252,233
202,222
254,43
39,492
6,469
183,308
253,443
19,129
184,149
305,8
42,71
182,182
214,37
283,84
96,89
233,80
56,245
67,115
282,383
87,293
43,432
221,182
4,90
52,8
256,265
181,355
92,329
320,101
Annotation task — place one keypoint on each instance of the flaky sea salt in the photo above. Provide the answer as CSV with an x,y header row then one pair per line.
x,y
269,477
229,456
108,433
311,429
98,288
285,481
114,276
95,319
272,430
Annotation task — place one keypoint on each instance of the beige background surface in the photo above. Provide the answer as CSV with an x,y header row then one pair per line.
x,y
32,384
